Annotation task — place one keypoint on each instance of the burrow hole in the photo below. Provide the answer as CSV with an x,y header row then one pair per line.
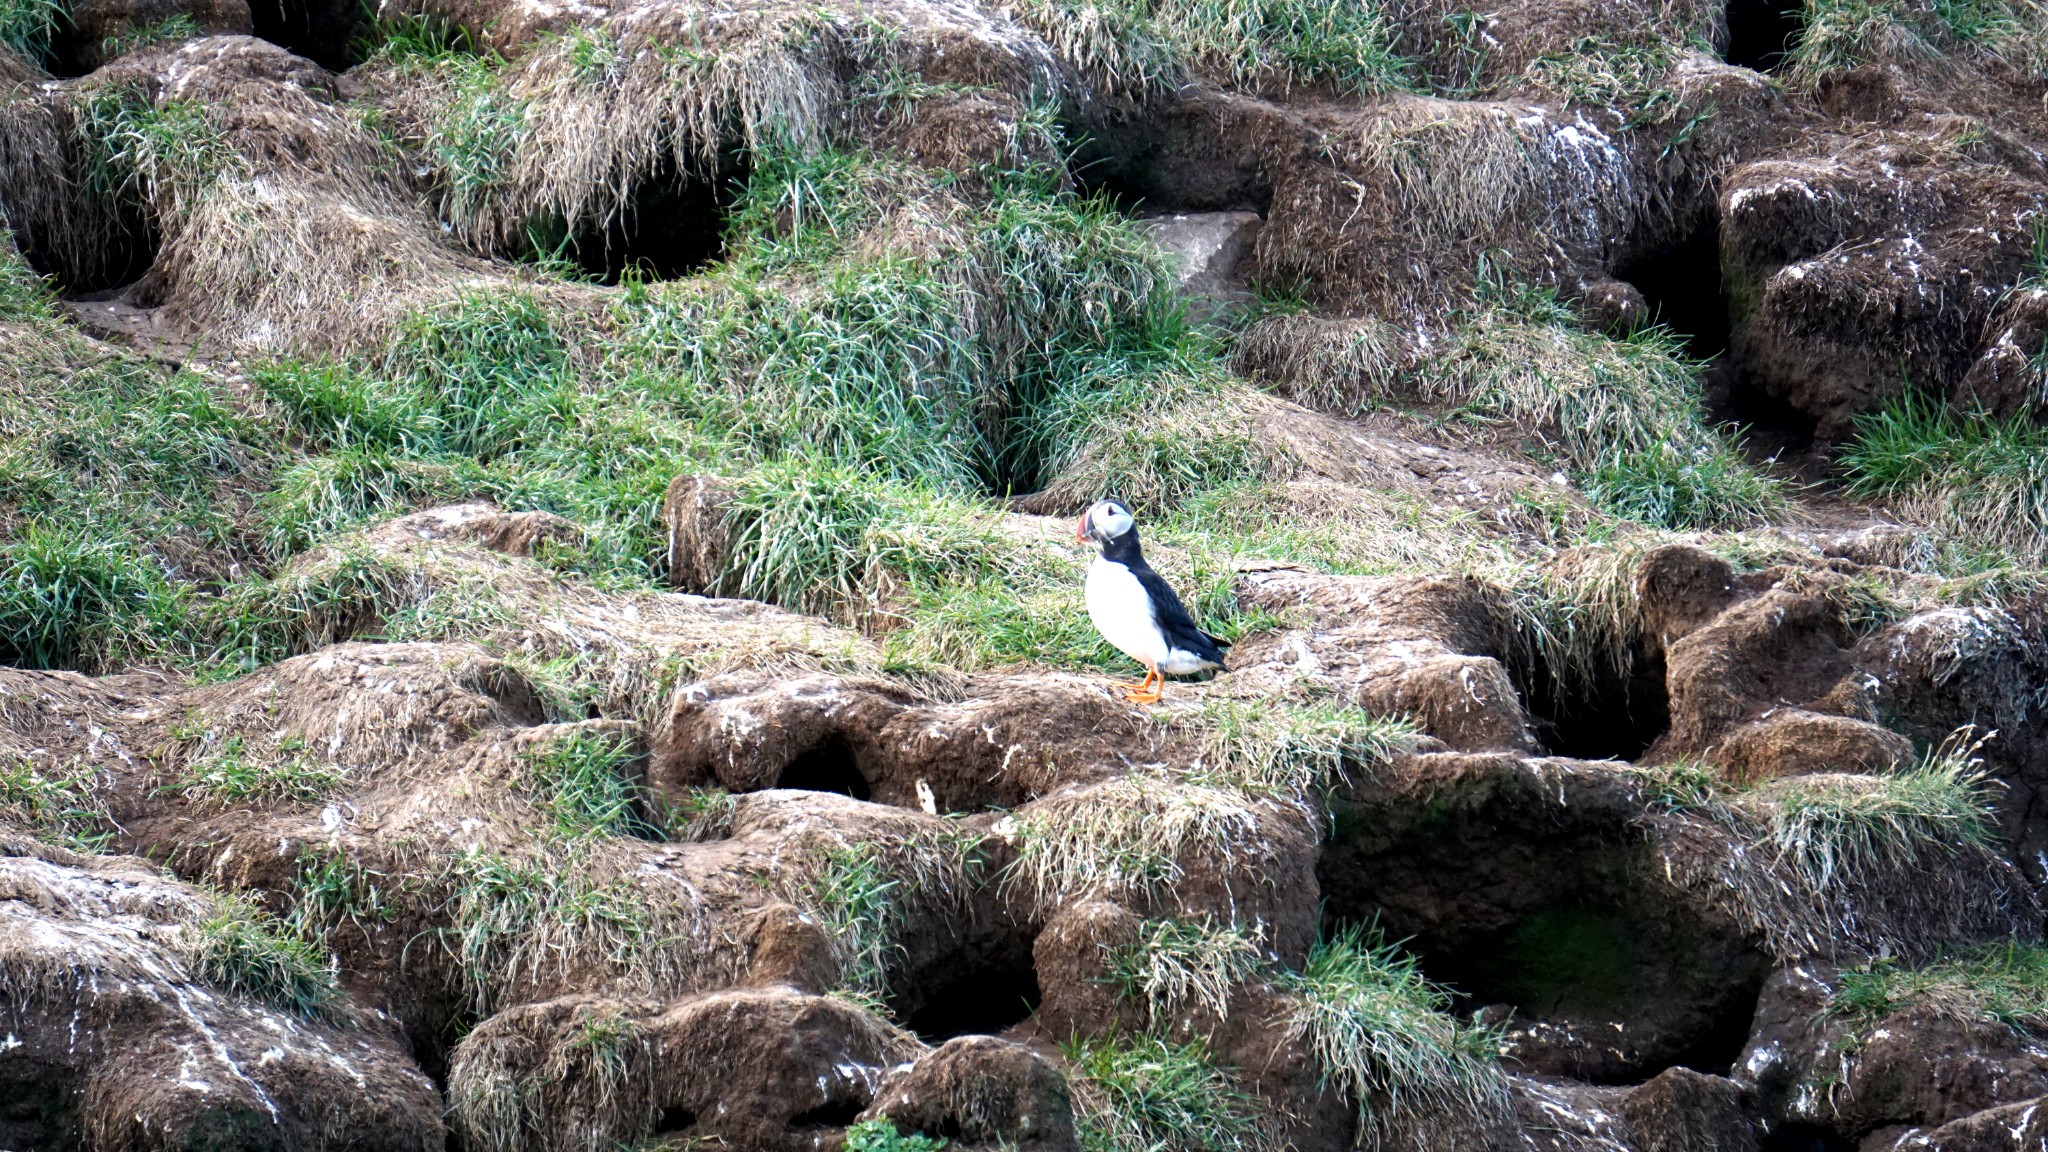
x,y
834,1114
975,999
1805,1138
672,225
1177,159
674,1120
1761,33
1592,961
1683,285
112,270
1615,718
829,767
330,33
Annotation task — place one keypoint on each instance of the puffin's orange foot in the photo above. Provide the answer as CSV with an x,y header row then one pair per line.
x,y
1147,692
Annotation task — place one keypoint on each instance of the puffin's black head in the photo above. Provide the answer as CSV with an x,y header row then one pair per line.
x,y
1107,521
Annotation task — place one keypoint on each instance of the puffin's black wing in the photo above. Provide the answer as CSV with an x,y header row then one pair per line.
x,y
1173,619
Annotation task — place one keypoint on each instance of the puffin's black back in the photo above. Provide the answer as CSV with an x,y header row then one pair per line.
x,y
1168,612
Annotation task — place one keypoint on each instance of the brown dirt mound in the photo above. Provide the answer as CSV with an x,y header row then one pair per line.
x,y
115,1043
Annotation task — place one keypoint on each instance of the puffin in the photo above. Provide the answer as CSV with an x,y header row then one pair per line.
x,y
1135,610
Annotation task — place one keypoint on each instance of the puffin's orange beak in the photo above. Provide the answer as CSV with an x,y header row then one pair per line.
x,y
1081,530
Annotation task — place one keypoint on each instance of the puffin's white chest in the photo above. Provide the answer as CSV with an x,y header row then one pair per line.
x,y
1122,612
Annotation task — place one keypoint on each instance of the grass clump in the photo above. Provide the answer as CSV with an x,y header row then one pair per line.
x,y
1996,984
1624,414
1625,411
1294,751
1899,863
78,595
1127,836
160,154
855,898
242,949
65,806
1145,1093
334,890
233,773
1264,44
1976,478
1844,34
1381,1033
815,537
1600,73
700,814
585,781
165,31
509,918
881,1135
1830,826
1174,967
1701,485
27,25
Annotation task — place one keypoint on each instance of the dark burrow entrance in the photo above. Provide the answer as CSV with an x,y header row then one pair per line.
x,y
1586,967
1612,719
1559,921
1762,32
829,1116
974,999
1177,159
1683,286
672,225
829,767
1804,1138
330,33
107,265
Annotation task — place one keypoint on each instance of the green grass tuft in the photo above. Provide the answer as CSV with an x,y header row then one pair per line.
x,y
242,949
855,897
1623,413
27,25
584,780
233,773
1599,73
1174,967
1830,826
334,890
1382,1034
1995,984
1705,485
1144,1093
881,1135
70,594
1263,44
511,919
67,807
168,30
1294,751
1845,34
700,814
161,153
1978,479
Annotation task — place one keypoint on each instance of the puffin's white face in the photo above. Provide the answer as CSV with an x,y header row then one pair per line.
x,y
1106,521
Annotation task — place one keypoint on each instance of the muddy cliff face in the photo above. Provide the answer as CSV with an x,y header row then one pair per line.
x,y
539,605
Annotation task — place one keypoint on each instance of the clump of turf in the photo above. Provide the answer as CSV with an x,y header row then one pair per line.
x,y
242,949
1981,481
1995,984
1383,1035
